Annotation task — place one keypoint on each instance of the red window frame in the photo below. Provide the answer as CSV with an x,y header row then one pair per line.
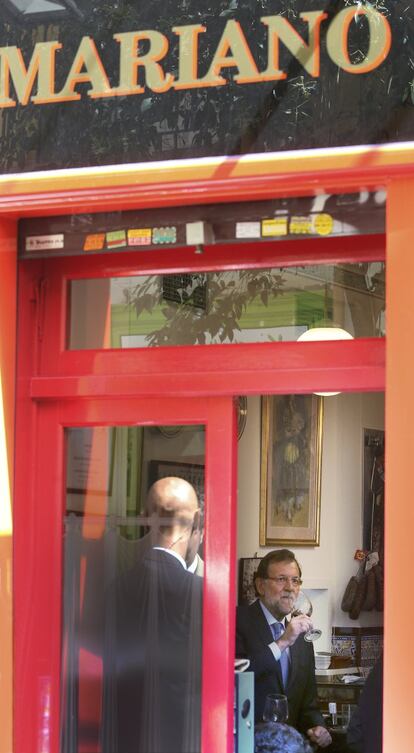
x,y
59,387
219,369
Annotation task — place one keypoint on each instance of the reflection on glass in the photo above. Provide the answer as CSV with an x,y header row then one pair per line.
x,y
262,305
132,612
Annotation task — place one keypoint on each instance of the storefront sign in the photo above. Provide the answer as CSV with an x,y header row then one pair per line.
x,y
120,83
232,52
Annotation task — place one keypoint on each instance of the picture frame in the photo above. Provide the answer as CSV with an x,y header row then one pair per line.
x,y
247,568
191,472
290,479
373,479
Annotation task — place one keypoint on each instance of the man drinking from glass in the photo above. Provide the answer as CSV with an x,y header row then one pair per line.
x,y
273,640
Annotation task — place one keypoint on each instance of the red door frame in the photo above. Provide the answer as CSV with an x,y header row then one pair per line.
x,y
38,618
58,388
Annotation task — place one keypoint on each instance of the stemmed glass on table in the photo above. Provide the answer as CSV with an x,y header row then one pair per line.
x,y
275,708
303,605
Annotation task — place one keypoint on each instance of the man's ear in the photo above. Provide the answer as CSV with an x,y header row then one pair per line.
x,y
259,586
196,522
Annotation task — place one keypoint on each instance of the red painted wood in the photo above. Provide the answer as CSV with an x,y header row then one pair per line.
x,y
247,255
219,369
220,583
31,560
399,510
39,511
8,308
37,582
207,191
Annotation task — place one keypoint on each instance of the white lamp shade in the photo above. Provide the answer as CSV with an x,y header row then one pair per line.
x,y
325,333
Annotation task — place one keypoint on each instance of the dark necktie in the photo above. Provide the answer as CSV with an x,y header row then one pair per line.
x,y
277,630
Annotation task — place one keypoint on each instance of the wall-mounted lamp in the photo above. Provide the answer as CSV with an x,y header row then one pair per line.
x,y
44,10
325,333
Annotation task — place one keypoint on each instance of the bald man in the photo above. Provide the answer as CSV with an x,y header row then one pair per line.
x,y
130,551
153,658
175,515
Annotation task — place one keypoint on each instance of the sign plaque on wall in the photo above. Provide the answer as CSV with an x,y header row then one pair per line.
x,y
86,83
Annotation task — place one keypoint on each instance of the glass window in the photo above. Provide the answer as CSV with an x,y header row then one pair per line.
x,y
320,467
132,611
259,305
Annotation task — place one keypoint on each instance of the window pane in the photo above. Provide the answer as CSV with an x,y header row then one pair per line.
x,y
321,473
132,611
263,305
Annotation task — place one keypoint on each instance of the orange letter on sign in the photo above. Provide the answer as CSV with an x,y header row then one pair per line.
x,y
86,57
380,38
130,60
308,55
42,65
188,56
234,39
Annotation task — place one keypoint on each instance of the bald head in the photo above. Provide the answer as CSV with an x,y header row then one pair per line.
x,y
172,496
173,503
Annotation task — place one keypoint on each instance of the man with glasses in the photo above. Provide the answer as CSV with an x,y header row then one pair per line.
x,y
273,640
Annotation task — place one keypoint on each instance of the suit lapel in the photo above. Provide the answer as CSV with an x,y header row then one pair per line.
x,y
262,625
295,652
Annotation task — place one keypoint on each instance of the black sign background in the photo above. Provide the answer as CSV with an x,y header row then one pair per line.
x,y
302,112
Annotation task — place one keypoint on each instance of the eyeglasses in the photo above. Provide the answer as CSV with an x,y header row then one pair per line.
x,y
283,580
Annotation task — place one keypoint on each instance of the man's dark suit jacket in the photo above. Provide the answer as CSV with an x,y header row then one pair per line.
x,y
252,642
364,734
153,659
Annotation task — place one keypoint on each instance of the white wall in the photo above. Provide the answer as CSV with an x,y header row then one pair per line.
x,y
326,568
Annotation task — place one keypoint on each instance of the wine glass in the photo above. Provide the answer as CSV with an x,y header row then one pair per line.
x,y
275,708
303,605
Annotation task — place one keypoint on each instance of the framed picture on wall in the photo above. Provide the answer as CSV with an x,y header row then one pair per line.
x,y
290,479
247,569
191,472
373,491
